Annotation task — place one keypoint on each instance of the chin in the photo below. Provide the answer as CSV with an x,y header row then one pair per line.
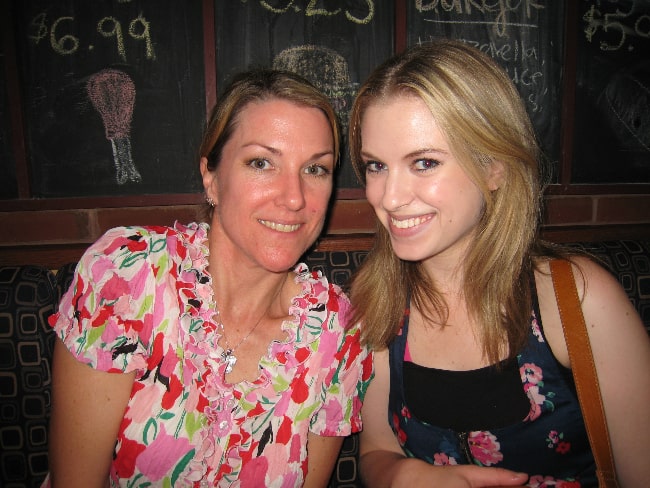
x,y
408,253
281,262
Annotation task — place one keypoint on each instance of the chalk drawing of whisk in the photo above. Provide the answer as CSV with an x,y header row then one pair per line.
x,y
112,93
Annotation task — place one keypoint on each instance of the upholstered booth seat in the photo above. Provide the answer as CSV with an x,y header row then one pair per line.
x,y
28,295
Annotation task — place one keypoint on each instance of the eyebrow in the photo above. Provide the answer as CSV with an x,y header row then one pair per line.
x,y
273,150
412,154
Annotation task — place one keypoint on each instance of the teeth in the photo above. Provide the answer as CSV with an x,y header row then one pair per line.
x,y
408,223
280,227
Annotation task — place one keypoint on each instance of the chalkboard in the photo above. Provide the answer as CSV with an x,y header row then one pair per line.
x,y
114,95
333,43
612,143
525,37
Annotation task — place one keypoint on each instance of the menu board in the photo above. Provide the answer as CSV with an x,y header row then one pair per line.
x,y
612,132
525,38
114,95
335,45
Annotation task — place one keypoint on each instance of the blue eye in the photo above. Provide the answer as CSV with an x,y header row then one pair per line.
x,y
425,164
374,166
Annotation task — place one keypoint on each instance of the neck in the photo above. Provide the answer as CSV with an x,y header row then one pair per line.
x,y
242,288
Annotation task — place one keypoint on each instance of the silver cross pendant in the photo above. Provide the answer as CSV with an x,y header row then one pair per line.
x,y
229,358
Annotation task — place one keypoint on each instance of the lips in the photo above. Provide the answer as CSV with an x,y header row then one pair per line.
x,y
409,223
280,227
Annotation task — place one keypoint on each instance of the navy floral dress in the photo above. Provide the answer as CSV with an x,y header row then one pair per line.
x,y
550,443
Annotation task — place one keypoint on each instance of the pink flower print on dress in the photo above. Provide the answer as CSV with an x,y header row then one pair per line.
x,y
163,453
485,448
539,481
441,459
556,441
536,402
553,438
253,473
531,375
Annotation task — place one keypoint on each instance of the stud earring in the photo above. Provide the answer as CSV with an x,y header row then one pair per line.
x,y
209,200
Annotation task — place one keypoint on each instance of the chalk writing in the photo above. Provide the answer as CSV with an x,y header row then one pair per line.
x,y
501,12
523,36
112,93
59,44
67,44
526,75
358,15
618,24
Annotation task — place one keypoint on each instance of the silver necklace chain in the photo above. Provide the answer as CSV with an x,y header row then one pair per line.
x,y
228,354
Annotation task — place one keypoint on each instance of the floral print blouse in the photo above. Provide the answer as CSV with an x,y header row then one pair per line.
x,y
550,443
142,301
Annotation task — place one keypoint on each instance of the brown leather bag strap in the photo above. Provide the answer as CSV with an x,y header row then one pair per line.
x,y
584,370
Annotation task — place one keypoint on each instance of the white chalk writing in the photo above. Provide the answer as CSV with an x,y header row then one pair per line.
x,y
496,12
65,43
360,15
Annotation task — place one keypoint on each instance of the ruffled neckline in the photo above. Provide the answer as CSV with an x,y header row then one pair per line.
x,y
200,335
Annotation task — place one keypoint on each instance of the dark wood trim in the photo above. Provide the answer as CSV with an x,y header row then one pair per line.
x,y
596,233
345,242
49,256
53,256
14,95
209,56
599,189
400,25
351,194
126,201
569,70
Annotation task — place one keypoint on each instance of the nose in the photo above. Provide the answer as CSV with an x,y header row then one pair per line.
x,y
397,191
292,192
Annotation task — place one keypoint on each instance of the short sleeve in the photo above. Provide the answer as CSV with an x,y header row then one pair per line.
x,y
106,318
346,383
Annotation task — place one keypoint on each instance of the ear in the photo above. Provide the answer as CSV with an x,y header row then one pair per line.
x,y
496,174
209,180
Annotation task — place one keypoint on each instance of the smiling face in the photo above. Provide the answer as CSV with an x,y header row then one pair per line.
x,y
418,189
272,185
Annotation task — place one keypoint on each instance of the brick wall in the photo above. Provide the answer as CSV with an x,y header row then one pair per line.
x,y
54,237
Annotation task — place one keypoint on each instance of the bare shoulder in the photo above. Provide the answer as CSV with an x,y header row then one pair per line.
x,y
606,307
592,279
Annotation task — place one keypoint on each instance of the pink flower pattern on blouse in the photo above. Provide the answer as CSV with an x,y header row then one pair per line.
x,y
142,301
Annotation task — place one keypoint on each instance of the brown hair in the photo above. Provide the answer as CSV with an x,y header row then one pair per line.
x,y
259,85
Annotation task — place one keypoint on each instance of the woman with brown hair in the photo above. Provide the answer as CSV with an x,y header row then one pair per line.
x,y
200,354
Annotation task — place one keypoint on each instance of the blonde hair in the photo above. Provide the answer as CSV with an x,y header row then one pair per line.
x,y
484,120
259,85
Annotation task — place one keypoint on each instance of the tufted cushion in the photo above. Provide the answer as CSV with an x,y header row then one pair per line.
x,y
27,297
337,266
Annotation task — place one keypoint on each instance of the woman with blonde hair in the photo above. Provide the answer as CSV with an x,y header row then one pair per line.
x,y
456,297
